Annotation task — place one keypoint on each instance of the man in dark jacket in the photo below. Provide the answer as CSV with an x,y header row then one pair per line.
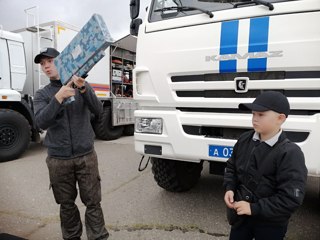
x,y
70,142
266,175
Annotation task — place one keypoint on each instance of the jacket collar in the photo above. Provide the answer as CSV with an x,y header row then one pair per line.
x,y
56,83
271,142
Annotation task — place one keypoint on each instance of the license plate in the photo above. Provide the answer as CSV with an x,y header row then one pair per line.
x,y
220,151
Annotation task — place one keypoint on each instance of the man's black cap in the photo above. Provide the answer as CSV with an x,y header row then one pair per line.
x,y
46,52
270,100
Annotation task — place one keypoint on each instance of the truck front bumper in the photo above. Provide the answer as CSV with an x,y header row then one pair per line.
x,y
176,144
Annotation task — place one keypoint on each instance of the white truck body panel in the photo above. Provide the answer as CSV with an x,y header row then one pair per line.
x,y
192,46
10,36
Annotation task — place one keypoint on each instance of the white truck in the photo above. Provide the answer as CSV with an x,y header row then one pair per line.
x,y
20,78
17,125
197,60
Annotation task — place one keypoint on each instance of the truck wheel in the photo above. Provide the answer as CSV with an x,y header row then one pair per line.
x,y
128,130
103,126
175,176
15,134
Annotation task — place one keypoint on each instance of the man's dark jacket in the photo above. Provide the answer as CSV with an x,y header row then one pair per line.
x,y
69,131
281,189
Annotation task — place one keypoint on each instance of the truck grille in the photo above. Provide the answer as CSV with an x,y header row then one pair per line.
x,y
234,133
249,94
236,110
275,75
253,76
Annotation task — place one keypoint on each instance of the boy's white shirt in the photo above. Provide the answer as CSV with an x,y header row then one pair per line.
x,y
272,141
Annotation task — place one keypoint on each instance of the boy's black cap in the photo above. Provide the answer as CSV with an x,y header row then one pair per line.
x,y
270,100
46,52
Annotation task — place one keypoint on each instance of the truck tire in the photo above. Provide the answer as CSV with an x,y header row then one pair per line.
x,y
128,130
103,126
175,176
15,134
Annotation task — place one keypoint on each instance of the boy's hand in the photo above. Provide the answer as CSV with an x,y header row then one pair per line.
x,y
228,198
242,208
65,92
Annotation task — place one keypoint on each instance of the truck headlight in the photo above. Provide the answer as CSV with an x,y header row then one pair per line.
x,y
148,125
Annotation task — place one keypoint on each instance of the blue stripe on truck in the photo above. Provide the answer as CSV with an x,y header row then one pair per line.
x,y
229,45
258,42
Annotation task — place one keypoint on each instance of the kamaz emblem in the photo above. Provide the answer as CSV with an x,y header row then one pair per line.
x,y
241,84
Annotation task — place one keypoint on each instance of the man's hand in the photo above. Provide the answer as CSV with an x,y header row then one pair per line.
x,y
65,92
78,82
228,198
242,208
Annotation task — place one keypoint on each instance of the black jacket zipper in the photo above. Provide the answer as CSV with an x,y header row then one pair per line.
x,y
70,133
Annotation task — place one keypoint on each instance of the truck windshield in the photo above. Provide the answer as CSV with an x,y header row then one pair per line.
x,y
165,9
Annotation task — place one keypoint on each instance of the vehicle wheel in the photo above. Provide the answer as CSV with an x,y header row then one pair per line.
x,y
175,176
128,130
103,126
15,134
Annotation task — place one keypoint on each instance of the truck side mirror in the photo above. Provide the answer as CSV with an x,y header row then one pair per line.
x,y
134,8
134,26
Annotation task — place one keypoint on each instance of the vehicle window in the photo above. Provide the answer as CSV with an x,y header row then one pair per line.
x,y
166,9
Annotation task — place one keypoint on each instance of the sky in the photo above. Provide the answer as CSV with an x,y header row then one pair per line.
x,y
116,13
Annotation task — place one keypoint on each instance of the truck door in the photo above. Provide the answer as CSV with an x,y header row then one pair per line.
x,y
5,82
18,69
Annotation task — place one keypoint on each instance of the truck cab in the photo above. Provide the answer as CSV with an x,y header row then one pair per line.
x,y
197,60
17,127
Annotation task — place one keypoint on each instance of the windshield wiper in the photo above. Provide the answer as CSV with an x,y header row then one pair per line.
x,y
257,2
183,9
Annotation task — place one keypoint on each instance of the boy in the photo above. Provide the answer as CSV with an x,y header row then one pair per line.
x,y
71,155
266,175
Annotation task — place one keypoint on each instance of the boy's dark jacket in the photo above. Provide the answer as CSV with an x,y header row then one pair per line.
x,y
69,131
282,187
